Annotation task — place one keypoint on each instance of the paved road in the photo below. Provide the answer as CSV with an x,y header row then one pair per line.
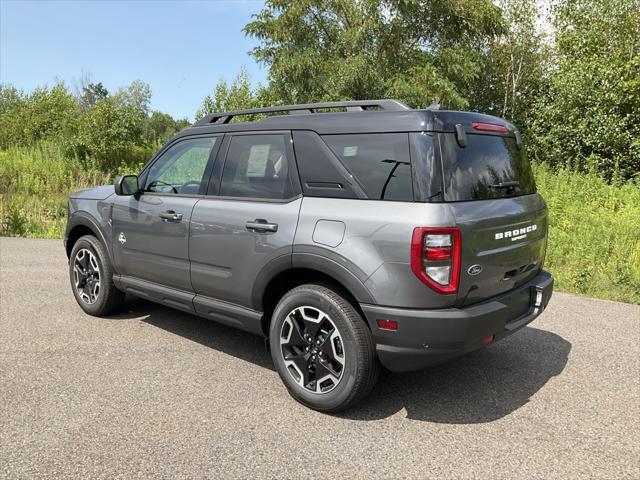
x,y
157,393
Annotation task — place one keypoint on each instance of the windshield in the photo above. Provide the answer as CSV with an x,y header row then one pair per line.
x,y
490,166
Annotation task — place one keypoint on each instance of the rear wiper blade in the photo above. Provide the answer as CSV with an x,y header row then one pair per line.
x,y
507,185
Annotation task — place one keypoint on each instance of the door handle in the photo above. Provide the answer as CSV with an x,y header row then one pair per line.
x,y
260,225
171,216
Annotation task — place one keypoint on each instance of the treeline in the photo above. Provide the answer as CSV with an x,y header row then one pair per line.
x,y
572,86
568,77
92,125
574,92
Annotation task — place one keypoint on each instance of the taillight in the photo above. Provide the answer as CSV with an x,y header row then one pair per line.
x,y
489,127
435,257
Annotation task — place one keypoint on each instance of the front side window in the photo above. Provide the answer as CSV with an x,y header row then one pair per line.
x,y
180,169
380,162
257,166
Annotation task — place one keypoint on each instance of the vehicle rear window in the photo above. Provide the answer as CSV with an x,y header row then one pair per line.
x,y
380,162
490,166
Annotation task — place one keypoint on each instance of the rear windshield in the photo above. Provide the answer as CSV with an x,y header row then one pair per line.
x,y
490,166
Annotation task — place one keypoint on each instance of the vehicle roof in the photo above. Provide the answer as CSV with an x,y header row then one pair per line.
x,y
366,121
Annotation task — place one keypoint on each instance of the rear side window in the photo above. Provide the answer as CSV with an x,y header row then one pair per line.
x,y
257,166
380,163
490,166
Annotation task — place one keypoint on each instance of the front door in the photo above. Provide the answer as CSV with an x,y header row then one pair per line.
x,y
151,229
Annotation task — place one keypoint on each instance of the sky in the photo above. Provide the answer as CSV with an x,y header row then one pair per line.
x,y
180,48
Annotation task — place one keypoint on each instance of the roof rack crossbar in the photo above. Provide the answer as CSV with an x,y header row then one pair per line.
x,y
351,105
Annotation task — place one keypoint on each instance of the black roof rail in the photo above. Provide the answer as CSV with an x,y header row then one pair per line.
x,y
350,105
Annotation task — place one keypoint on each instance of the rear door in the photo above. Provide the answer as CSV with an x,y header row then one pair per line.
x,y
490,189
248,218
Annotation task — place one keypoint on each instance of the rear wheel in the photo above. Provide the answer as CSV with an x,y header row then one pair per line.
x,y
92,277
322,348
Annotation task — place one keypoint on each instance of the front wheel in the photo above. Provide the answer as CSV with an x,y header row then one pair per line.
x,y
322,349
92,277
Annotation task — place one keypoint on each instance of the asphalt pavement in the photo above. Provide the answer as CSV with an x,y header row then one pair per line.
x,y
156,393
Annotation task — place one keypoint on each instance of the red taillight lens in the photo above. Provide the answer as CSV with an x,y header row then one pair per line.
x,y
489,127
437,253
435,257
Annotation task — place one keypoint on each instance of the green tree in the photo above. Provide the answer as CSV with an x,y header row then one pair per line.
x,y
94,126
12,103
137,95
110,130
513,69
91,94
44,114
238,95
589,115
162,126
419,51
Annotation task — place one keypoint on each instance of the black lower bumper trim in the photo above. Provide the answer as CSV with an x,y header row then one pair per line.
x,y
428,337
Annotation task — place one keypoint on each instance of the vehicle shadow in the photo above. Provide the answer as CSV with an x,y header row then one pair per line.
x,y
480,387
231,341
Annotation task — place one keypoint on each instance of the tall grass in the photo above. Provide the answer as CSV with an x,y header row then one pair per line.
x,y
34,185
594,234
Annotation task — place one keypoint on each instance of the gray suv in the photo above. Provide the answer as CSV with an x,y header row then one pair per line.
x,y
350,234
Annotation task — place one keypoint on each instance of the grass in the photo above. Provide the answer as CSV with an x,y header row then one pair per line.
x,y
34,185
594,234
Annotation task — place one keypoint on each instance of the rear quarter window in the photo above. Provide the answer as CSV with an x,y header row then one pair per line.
x,y
490,166
379,162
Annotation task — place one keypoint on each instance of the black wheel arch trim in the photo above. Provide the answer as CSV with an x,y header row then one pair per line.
x,y
84,219
309,261
272,269
335,270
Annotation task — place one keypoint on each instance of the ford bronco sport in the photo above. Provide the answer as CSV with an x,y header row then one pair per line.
x,y
351,234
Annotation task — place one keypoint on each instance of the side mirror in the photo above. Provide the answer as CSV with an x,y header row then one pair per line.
x,y
127,185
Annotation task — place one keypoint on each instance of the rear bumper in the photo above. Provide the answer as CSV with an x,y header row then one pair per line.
x,y
428,337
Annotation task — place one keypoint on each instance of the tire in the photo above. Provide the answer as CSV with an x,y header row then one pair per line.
x,y
89,265
341,350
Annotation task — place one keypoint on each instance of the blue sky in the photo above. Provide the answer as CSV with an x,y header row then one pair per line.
x,y
181,48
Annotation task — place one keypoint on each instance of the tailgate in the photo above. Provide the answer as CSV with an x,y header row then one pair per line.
x,y
503,244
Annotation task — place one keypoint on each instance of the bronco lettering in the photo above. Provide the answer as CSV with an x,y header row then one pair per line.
x,y
516,234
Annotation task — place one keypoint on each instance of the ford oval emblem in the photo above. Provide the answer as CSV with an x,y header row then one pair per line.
x,y
474,269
